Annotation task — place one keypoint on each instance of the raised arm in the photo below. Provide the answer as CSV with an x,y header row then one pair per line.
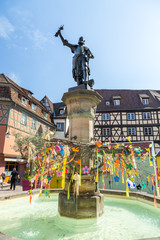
x,y
64,41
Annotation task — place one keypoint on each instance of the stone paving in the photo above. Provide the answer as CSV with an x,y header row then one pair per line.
x,y
6,192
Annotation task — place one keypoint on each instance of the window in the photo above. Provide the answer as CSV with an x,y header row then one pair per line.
x,y
130,116
131,131
147,131
29,95
106,131
33,107
9,167
33,126
45,114
46,129
24,119
116,102
146,115
105,116
107,103
145,101
61,111
60,126
24,101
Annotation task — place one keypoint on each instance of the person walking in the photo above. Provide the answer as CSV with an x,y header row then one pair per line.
x,y
2,178
14,176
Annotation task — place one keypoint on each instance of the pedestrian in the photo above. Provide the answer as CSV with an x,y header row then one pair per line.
x,y
14,176
1,181
2,178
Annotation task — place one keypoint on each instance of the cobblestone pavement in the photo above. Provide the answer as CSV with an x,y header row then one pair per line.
x,y
6,192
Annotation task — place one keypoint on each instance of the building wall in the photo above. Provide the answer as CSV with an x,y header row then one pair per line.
x,y
119,124
2,137
2,165
15,121
17,98
61,134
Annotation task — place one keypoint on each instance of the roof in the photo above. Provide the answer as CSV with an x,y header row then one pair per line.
x,y
49,102
6,81
57,107
130,100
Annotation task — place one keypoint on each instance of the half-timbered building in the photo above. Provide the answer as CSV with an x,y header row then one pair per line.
x,y
134,113
122,113
21,113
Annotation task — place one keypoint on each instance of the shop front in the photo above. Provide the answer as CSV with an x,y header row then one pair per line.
x,y
11,163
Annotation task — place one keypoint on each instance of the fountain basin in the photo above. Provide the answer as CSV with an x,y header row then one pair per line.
x,y
122,219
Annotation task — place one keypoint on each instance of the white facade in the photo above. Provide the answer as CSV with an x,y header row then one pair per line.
x,y
61,133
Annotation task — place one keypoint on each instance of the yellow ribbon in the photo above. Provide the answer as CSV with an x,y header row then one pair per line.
x,y
63,173
97,168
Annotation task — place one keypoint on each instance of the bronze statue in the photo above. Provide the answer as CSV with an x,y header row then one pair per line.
x,y
82,54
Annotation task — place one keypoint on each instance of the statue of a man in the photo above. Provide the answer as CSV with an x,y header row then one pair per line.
x,y
82,54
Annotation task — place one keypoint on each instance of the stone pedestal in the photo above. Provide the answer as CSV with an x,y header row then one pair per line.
x,y
81,107
91,206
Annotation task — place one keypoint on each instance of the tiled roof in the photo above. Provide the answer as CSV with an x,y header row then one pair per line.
x,y
130,100
6,80
57,107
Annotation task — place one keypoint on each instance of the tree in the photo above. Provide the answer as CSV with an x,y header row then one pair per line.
x,y
29,147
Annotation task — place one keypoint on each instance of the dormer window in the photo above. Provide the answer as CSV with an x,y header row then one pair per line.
x,y
24,101
145,101
116,102
33,107
107,103
61,111
144,98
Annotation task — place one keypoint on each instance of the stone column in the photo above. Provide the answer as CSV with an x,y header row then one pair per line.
x,y
81,106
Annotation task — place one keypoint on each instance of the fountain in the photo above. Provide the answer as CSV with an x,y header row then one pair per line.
x,y
81,102
81,106
80,200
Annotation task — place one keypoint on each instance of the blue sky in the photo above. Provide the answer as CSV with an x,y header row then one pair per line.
x,y
123,35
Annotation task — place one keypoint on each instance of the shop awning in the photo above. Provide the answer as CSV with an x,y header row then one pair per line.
x,y
20,160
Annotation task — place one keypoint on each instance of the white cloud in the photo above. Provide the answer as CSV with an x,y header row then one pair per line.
x,y
14,77
39,40
6,28
25,31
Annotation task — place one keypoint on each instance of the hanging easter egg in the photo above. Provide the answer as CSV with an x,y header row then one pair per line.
x,y
57,149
